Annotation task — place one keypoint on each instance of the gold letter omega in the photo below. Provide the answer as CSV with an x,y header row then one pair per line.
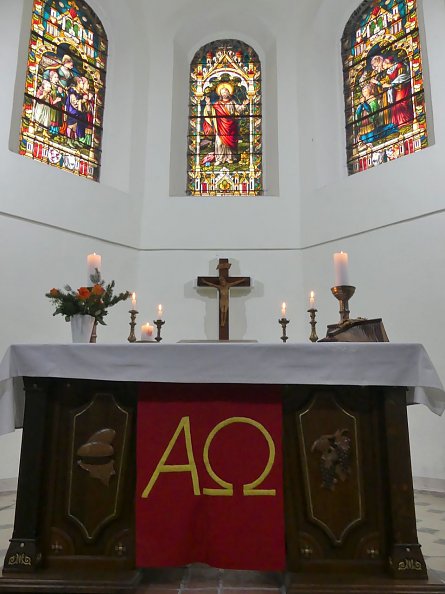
x,y
249,488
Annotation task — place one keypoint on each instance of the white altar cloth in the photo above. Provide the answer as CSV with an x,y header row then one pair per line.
x,y
354,364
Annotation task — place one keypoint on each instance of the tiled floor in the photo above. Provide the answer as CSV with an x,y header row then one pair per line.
x,y
430,511
7,506
430,514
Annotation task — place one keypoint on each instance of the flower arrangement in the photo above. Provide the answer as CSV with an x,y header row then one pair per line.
x,y
92,301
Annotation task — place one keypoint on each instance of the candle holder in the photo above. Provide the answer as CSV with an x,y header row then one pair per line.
x,y
133,313
283,323
313,322
158,324
343,293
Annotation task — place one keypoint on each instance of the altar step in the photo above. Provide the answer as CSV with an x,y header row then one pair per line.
x,y
243,582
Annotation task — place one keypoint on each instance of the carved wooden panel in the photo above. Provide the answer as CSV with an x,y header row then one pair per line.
x,y
331,464
335,473
89,518
97,452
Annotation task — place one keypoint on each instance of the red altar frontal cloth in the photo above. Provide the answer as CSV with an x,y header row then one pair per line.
x,y
209,476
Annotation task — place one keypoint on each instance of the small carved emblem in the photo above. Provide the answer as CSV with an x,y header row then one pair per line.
x,y
335,460
120,549
409,564
306,551
56,547
20,559
96,456
372,552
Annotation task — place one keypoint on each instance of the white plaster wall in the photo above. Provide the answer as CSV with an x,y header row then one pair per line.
x,y
172,219
27,188
335,204
169,277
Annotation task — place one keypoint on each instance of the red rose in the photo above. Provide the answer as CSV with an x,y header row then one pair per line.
x,y
98,290
83,293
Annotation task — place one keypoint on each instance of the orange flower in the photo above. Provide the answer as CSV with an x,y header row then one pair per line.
x,y
54,292
83,293
98,290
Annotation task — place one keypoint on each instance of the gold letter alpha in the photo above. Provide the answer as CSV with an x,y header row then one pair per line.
x,y
184,424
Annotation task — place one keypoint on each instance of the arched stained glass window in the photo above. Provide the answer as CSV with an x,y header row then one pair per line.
x,y
65,87
224,141
383,82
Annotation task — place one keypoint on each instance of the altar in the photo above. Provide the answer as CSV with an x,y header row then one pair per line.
x,y
347,486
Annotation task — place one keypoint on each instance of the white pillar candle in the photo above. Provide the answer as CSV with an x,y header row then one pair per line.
x,y
160,312
312,300
93,261
133,301
341,269
283,309
147,332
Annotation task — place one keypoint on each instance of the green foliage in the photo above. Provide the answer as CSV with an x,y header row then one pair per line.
x,y
93,300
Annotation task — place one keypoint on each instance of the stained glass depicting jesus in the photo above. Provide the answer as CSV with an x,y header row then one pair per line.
x,y
224,141
220,121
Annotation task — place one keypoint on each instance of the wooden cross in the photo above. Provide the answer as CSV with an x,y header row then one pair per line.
x,y
223,283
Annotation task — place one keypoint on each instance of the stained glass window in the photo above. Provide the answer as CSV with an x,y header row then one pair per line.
x,y
224,140
383,82
65,87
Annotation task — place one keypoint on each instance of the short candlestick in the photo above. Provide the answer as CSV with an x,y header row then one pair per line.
x,y
283,323
313,337
158,324
133,313
343,293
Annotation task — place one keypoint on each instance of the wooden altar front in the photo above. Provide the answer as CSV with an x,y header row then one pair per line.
x,y
349,506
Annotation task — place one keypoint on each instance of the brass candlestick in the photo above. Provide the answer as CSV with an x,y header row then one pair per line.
x,y
132,336
159,324
343,293
283,323
313,337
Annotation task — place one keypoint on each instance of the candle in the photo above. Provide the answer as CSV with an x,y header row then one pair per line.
x,y
312,300
93,262
283,310
147,332
160,312
133,301
341,269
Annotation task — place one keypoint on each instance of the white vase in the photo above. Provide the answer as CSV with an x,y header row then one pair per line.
x,y
81,327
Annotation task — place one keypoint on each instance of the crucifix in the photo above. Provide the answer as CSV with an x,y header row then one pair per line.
x,y
223,283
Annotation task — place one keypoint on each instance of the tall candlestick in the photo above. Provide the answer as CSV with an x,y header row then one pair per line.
x,y
133,301
312,300
341,269
160,312
93,261
283,309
